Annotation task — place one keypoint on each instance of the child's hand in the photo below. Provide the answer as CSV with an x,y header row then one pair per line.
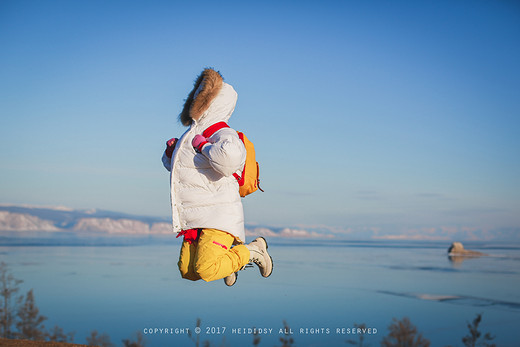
x,y
198,142
170,146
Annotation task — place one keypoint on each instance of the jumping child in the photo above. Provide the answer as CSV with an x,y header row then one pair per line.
x,y
206,205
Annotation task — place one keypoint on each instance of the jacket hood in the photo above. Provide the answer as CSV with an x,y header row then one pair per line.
x,y
211,99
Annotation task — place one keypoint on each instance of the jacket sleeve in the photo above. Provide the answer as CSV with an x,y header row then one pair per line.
x,y
227,155
167,162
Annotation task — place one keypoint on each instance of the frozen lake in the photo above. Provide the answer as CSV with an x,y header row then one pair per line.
x,y
321,289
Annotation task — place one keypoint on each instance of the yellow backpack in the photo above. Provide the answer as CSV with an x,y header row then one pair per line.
x,y
249,180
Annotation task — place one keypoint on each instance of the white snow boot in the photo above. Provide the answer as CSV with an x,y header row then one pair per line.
x,y
231,279
259,256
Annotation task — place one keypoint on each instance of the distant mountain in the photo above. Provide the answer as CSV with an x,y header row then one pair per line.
x,y
10,221
22,221
59,219
45,224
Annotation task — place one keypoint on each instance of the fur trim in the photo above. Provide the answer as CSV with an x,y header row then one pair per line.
x,y
196,105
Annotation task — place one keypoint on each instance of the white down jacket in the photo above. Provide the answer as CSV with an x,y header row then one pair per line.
x,y
204,193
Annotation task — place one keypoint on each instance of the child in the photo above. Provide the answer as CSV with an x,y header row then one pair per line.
x,y
206,205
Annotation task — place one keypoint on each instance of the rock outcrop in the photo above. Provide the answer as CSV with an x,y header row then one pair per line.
x,y
458,249
458,254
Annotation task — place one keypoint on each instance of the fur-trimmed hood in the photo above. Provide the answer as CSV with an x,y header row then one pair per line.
x,y
211,98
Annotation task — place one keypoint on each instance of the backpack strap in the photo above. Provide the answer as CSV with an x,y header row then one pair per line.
x,y
239,178
214,128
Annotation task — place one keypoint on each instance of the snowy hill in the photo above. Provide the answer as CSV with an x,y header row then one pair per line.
x,y
10,221
24,222
51,224
59,219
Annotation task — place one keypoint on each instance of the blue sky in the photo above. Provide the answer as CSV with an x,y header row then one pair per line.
x,y
392,117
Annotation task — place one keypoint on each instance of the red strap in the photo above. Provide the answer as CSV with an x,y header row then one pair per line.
x,y
214,128
199,149
190,235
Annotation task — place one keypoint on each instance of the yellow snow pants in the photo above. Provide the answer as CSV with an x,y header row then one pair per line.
x,y
211,257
